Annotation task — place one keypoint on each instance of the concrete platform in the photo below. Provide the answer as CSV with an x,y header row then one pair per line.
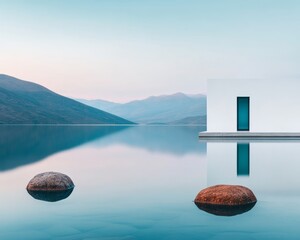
x,y
249,135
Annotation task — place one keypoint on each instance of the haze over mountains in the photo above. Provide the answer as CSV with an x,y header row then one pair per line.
x,y
178,108
23,102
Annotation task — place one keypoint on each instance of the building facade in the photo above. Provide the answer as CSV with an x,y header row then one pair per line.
x,y
253,106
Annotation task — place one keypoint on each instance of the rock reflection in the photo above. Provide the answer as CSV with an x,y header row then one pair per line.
x,y
225,210
50,196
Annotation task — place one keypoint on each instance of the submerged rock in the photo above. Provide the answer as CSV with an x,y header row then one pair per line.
x,y
225,200
50,181
50,196
225,210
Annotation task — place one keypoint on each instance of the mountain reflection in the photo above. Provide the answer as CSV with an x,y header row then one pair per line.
x,y
177,140
21,145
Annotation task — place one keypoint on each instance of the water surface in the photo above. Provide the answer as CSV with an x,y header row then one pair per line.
x,y
140,182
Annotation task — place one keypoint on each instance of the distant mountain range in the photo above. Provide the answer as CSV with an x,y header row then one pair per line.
x,y
178,108
23,102
195,120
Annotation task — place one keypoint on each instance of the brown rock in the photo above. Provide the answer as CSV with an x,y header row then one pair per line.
x,y
225,200
50,181
226,195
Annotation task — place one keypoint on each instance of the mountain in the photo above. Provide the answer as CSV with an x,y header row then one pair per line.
x,y
98,103
156,109
23,102
194,120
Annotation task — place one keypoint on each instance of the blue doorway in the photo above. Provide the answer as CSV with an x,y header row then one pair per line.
x,y
243,113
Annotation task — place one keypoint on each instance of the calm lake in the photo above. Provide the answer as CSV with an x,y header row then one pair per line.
x,y
140,182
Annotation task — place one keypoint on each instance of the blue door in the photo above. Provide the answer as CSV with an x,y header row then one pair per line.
x,y
243,113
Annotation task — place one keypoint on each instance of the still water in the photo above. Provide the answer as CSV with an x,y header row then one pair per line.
x,y
140,183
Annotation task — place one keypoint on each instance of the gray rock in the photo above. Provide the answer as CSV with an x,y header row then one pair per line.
x,y
50,181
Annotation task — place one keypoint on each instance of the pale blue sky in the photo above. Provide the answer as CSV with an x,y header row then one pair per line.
x,y
126,49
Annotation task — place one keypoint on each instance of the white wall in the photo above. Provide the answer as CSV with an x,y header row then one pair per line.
x,y
274,105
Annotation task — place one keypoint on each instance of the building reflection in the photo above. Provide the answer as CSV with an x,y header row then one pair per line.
x,y
259,164
243,159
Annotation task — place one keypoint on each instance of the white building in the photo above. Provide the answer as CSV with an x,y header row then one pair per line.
x,y
253,107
